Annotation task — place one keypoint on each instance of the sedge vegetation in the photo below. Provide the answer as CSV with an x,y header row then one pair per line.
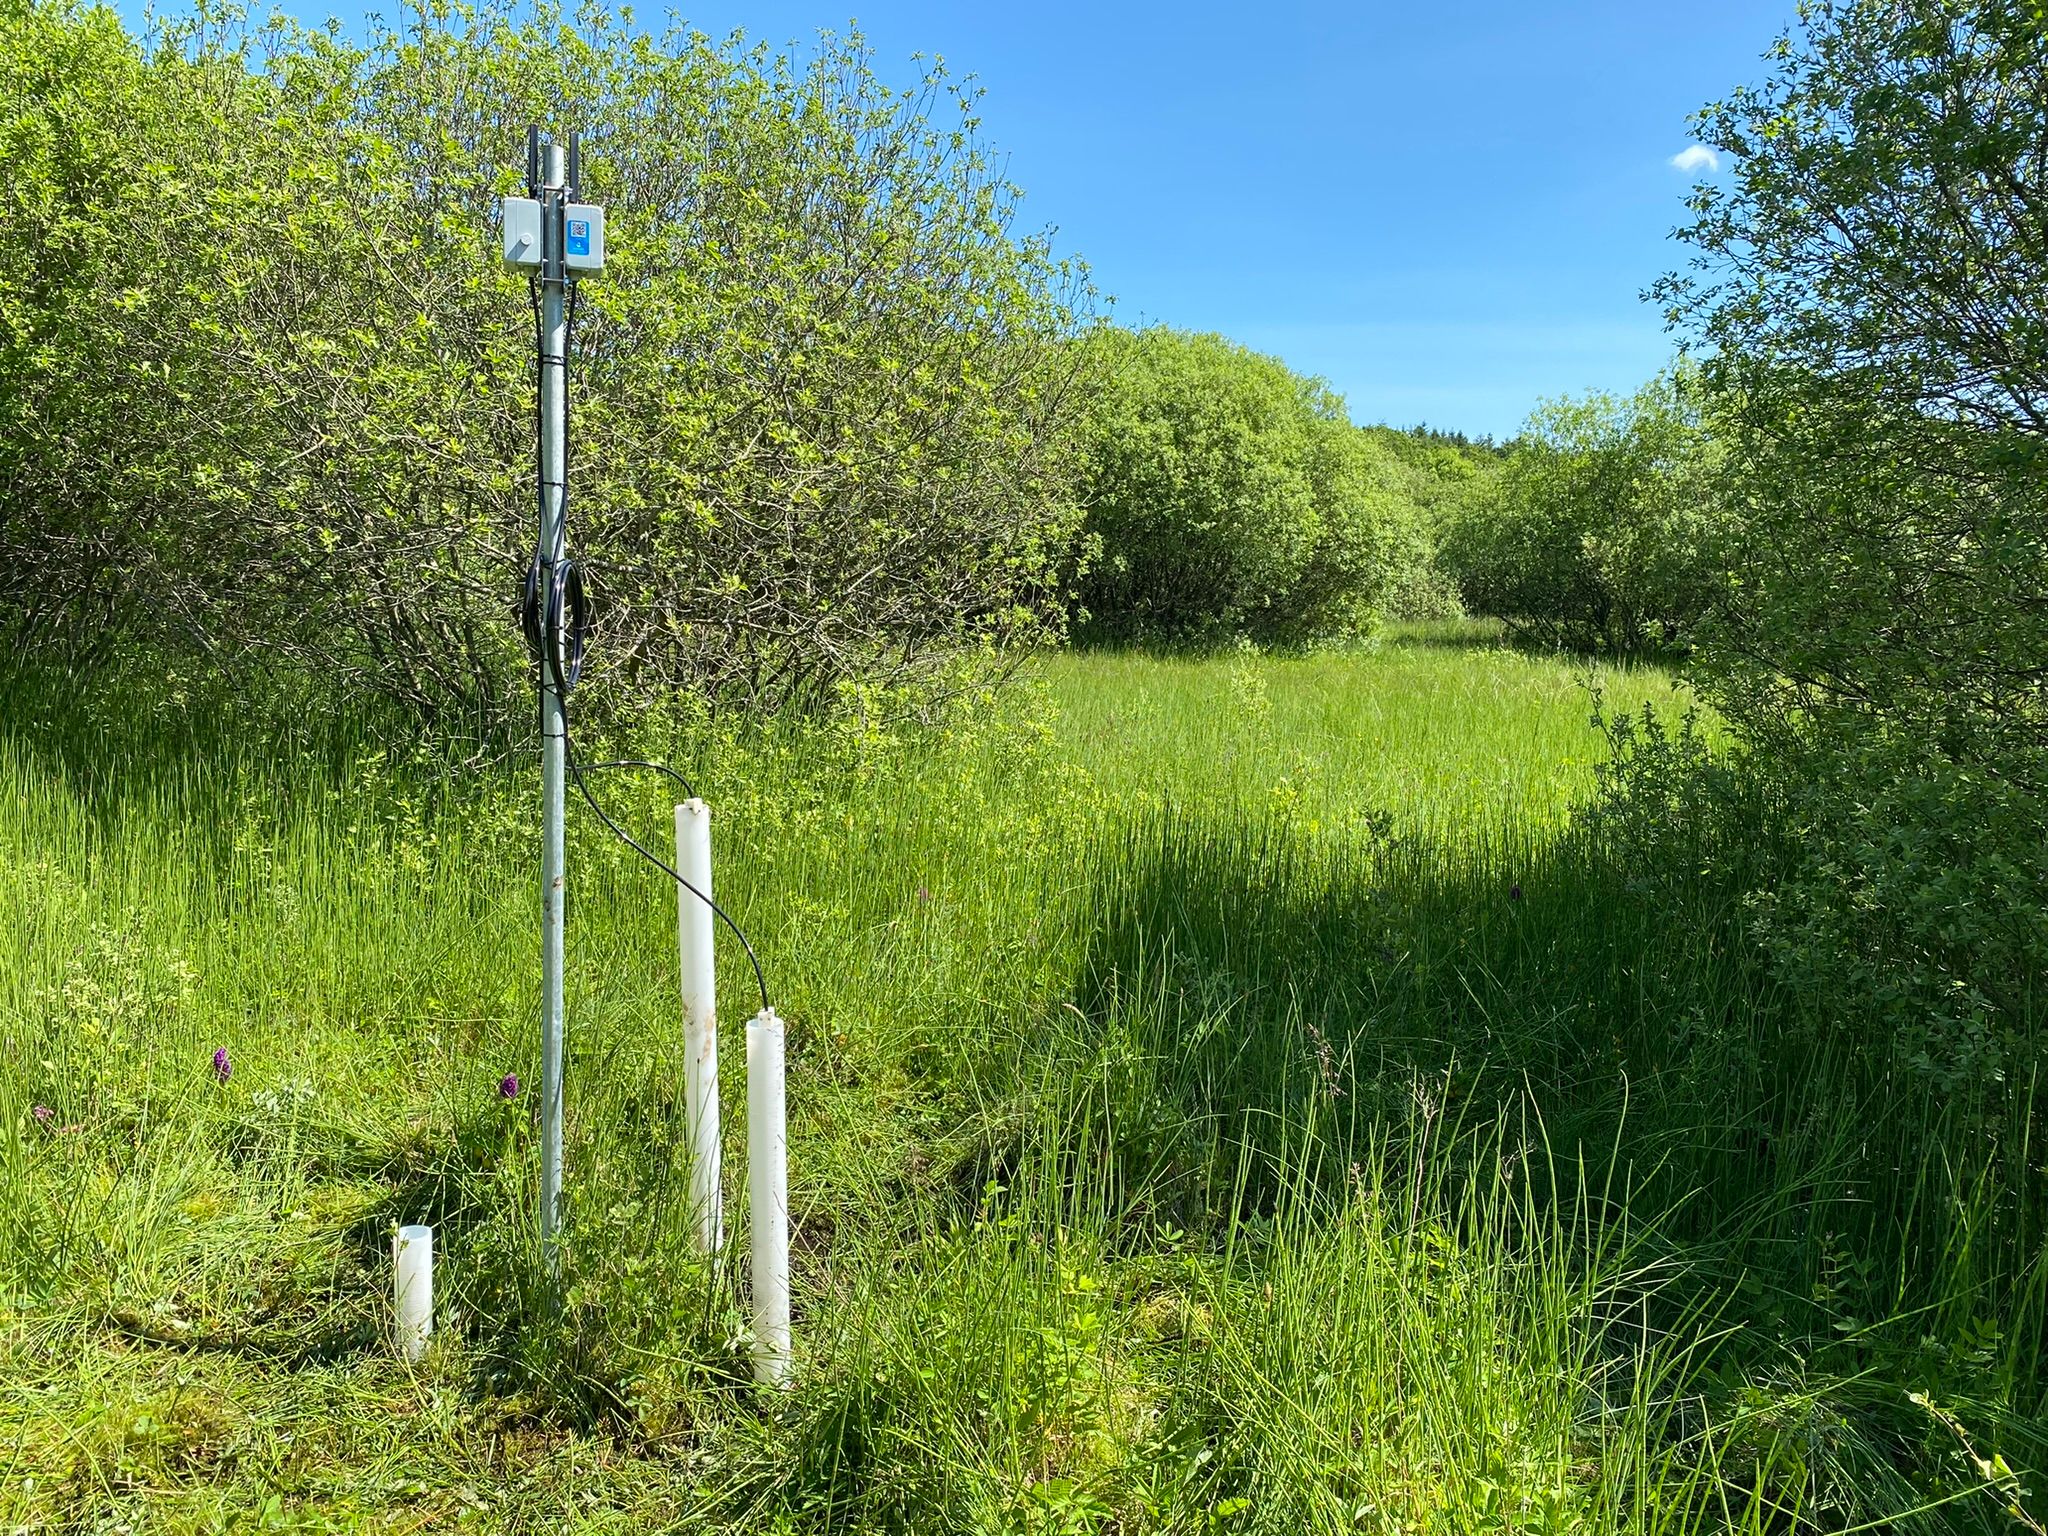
x,y
1178,1144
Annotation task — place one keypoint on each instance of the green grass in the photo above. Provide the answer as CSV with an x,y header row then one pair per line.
x,y
1443,737
1226,1096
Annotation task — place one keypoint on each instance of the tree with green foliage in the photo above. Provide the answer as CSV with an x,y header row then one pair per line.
x,y
1868,285
1604,525
1226,496
1440,478
272,394
79,504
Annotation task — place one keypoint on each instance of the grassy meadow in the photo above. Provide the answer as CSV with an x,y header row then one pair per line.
x,y
1235,1095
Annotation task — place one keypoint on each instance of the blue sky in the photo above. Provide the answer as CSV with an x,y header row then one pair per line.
x,y
1446,209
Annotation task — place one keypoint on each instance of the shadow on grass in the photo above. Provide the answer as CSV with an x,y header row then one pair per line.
x,y
294,1316
1248,996
1453,635
1251,982
1480,634
324,1336
570,1339
1256,1007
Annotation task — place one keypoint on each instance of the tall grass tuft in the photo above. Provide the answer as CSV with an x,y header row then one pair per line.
x,y
1243,1096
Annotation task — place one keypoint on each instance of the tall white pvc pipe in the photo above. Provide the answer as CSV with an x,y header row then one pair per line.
x,y
412,1264
694,932
768,1196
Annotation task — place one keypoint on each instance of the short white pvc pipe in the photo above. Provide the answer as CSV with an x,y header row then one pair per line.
x,y
412,1255
768,1197
694,929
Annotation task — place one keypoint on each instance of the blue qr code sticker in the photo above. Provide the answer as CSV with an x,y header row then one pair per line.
x,y
579,237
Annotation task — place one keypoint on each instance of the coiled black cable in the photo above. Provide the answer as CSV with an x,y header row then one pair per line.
x,y
554,605
560,614
554,615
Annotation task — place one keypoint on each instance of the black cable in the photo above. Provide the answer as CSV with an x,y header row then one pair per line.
x,y
543,614
576,773
635,762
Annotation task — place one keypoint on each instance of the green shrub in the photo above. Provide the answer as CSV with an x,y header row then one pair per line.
x,y
1867,287
272,394
1438,479
1606,525
1227,497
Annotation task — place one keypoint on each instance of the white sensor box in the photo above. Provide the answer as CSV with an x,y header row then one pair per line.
x,y
583,237
521,220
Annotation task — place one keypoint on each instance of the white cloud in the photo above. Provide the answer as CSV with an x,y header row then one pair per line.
x,y
1696,158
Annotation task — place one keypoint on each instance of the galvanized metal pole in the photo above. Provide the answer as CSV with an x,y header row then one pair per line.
x,y
553,476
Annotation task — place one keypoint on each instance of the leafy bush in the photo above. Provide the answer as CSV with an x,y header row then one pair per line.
x,y
273,395
1868,284
1226,496
1605,527
1439,478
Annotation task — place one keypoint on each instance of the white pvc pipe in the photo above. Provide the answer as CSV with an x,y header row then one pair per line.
x,y
694,921
768,1195
412,1254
